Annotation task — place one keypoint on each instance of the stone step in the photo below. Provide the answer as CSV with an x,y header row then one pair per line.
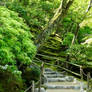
x,y
54,75
66,79
75,87
64,83
51,72
48,69
62,90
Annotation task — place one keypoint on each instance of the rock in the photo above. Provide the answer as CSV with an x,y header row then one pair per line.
x,y
69,78
42,90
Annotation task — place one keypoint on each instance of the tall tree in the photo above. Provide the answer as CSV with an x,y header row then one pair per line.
x,y
78,24
59,15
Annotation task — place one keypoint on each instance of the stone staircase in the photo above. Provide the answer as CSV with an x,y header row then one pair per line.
x,y
60,82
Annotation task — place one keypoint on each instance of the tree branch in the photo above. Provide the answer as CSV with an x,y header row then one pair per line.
x,y
89,6
60,14
78,24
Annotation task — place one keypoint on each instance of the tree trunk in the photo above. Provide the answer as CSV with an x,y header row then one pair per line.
x,y
78,24
59,15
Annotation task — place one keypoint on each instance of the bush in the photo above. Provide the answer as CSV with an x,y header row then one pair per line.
x,y
10,79
15,39
32,73
16,49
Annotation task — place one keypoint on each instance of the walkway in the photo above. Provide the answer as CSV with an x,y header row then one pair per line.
x,y
59,82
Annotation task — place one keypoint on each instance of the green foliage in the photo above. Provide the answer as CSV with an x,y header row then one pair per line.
x,y
14,39
32,73
10,79
36,14
78,13
16,47
80,54
84,32
81,51
68,39
77,54
17,7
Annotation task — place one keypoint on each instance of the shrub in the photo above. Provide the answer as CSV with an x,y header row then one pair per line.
x,y
16,48
15,39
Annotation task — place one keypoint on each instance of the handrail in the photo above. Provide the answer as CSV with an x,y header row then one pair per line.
x,y
67,70
59,59
60,67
